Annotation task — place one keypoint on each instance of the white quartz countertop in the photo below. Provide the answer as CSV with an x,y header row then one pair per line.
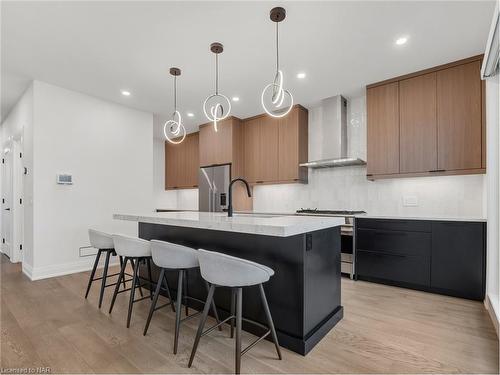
x,y
268,225
431,218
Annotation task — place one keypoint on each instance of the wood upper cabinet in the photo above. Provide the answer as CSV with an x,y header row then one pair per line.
x,y
216,147
459,117
382,106
428,123
252,147
418,126
182,163
274,148
293,146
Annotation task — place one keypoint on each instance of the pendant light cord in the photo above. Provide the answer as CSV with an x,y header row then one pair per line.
x,y
175,94
216,73
277,49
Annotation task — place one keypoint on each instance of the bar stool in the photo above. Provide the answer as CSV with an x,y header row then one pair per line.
x,y
135,250
222,270
103,242
170,256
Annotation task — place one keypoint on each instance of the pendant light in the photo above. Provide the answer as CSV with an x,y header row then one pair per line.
x,y
174,130
217,106
279,99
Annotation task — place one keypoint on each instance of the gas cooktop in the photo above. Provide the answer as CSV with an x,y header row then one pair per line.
x,y
315,211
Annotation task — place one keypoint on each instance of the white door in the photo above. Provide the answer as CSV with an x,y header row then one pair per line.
x,y
7,185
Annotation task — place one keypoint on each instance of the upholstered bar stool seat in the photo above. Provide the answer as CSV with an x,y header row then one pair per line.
x,y
170,256
135,250
103,242
222,270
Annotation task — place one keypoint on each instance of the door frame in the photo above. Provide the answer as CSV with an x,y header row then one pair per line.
x,y
14,146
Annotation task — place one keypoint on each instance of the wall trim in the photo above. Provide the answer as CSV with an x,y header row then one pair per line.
x,y
492,311
45,272
27,270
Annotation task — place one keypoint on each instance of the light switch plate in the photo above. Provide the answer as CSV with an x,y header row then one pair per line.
x,y
410,201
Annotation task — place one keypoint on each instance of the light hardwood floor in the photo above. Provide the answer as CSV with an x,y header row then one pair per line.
x,y
48,323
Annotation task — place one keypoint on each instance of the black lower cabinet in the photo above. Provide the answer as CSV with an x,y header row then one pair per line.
x,y
458,259
441,257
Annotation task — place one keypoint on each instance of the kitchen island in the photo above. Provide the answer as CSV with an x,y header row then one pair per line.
x,y
304,252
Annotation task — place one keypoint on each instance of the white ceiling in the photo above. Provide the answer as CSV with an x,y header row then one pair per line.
x,y
101,48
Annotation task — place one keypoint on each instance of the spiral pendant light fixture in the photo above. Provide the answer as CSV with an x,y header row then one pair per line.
x,y
217,106
174,130
279,101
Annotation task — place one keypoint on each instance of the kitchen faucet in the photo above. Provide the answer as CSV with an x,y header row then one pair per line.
x,y
230,203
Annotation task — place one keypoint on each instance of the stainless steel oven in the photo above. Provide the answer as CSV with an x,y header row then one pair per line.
x,y
347,231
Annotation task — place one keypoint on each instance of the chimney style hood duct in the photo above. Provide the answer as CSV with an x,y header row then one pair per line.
x,y
334,131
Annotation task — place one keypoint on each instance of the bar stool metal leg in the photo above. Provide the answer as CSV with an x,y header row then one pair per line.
x,y
92,274
132,293
121,265
155,300
178,309
233,301
104,276
214,308
269,320
239,297
135,264
186,292
117,287
203,319
168,292
148,261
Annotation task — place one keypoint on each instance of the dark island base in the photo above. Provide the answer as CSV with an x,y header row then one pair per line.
x,y
303,295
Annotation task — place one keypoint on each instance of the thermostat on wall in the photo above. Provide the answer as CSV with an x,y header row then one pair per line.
x,y
65,179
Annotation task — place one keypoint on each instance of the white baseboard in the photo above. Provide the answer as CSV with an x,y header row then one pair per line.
x,y
27,270
492,305
39,273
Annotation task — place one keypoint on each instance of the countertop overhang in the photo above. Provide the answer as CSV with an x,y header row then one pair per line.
x,y
267,225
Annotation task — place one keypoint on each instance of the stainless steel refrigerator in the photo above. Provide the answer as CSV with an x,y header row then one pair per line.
x,y
213,185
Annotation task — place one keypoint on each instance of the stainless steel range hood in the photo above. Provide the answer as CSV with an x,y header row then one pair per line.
x,y
330,163
332,115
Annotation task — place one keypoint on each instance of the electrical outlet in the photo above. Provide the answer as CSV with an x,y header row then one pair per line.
x,y
410,201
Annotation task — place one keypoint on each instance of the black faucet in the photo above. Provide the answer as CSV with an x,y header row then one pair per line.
x,y
230,200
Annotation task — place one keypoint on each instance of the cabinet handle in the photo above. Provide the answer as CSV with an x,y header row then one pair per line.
x,y
259,182
437,170
195,185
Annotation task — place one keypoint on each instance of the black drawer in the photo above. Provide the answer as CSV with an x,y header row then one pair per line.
x,y
413,270
395,224
394,242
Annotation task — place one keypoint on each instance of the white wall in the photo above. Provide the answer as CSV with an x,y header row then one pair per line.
x,y
348,188
493,144
18,125
108,149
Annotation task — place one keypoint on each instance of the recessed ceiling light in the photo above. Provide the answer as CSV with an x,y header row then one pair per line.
x,y
190,114
402,40
125,93
235,99
301,75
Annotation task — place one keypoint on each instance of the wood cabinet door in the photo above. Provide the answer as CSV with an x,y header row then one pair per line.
x,y
251,132
172,171
182,163
418,126
267,170
191,157
289,147
382,104
216,147
459,117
